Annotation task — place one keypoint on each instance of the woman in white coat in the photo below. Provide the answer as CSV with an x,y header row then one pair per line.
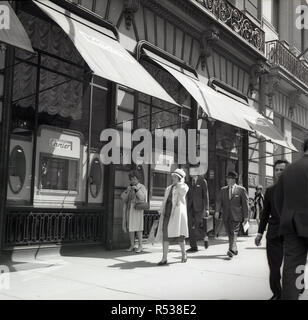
x,y
173,223
132,218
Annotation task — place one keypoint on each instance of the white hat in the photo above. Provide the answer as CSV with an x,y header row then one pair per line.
x,y
180,173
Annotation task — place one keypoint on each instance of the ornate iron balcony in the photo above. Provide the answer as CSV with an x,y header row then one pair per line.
x,y
237,21
279,55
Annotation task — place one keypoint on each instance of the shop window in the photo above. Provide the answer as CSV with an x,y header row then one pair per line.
x,y
96,178
58,174
17,169
126,107
160,183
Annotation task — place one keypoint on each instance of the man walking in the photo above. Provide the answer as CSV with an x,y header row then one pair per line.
x,y
291,198
233,205
274,242
197,209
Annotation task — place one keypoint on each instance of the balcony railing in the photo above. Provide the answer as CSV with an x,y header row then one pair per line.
x,y
237,21
280,56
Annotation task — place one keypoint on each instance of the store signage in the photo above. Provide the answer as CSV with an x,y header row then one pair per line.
x,y
164,162
61,144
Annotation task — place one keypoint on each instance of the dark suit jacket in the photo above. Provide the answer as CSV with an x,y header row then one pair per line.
x,y
291,198
270,215
235,209
198,196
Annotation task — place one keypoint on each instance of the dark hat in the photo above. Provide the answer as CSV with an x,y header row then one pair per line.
x,y
232,175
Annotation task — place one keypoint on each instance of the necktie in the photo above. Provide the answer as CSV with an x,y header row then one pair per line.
x,y
230,193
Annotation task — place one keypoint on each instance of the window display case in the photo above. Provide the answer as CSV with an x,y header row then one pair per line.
x,y
60,167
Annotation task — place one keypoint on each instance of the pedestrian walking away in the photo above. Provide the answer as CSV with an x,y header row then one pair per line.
x,y
274,242
292,201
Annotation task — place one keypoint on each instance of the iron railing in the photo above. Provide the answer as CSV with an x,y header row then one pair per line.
x,y
29,228
237,21
149,218
279,55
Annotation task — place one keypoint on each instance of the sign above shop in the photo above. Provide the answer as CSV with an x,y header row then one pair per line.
x,y
57,142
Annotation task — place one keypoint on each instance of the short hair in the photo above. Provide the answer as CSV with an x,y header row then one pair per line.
x,y
134,173
278,162
306,145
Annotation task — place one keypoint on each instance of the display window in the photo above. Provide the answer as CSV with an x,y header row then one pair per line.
x,y
58,113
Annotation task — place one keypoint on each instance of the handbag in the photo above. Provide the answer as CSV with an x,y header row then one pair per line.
x,y
153,232
142,206
208,223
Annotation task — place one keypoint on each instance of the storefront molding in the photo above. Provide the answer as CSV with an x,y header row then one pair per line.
x,y
130,8
164,54
208,39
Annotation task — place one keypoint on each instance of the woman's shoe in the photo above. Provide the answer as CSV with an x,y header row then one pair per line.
x,y
131,249
184,258
162,263
139,250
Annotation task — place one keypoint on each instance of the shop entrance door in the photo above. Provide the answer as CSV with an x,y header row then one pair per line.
x,y
223,166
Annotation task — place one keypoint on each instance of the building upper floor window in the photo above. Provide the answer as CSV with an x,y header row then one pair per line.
x,y
270,12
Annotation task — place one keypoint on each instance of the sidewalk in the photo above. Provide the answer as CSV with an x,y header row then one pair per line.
x,y
95,274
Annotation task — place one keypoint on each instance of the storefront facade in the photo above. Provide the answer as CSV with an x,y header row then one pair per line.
x,y
57,188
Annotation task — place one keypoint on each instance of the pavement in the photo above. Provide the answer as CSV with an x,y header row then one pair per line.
x,y
116,275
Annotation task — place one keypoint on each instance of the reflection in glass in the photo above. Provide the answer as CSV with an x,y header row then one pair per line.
x,y
58,174
95,180
17,169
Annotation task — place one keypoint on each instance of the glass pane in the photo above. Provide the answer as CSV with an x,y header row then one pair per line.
x,y
159,184
17,169
58,174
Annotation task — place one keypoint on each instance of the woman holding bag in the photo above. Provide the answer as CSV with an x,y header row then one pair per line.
x,y
135,202
173,222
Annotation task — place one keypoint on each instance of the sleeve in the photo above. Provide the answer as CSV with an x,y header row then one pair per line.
x,y
278,195
205,195
265,214
245,203
124,195
219,203
141,194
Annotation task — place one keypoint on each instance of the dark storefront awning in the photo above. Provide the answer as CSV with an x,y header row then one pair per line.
x,y
12,31
223,108
105,56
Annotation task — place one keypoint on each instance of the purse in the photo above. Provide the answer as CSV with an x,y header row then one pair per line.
x,y
208,223
142,206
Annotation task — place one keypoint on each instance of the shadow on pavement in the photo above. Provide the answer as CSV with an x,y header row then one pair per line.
x,y
138,264
212,257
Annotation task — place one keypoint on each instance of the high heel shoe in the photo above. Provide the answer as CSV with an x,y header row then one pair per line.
x,y
184,258
162,263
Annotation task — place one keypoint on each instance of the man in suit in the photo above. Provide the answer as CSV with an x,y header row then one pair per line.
x,y
233,205
291,199
197,209
274,242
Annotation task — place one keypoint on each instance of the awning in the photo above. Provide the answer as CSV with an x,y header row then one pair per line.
x,y
12,31
221,107
212,102
105,56
255,120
